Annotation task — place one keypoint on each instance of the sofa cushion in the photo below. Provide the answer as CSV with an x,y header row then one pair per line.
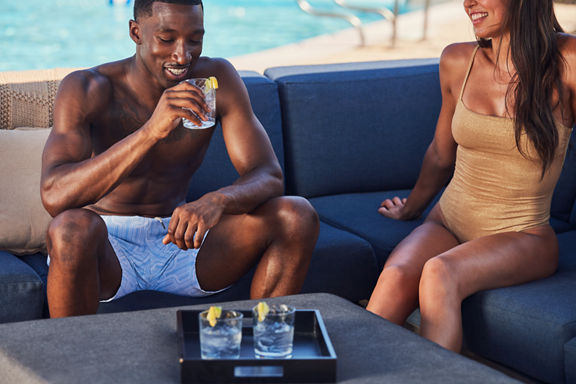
x,y
357,127
358,214
22,294
27,97
23,219
343,264
526,327
217,171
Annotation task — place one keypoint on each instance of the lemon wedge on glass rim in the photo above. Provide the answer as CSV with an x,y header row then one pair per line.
x,y
213,314
211,83
262,309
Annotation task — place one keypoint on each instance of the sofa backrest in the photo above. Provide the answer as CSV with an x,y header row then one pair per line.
x,y
564,200
216,170
356,127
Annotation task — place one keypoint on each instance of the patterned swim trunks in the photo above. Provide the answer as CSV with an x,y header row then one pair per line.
x,y
148,264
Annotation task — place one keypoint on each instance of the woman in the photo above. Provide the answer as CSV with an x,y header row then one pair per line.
x,y
508,102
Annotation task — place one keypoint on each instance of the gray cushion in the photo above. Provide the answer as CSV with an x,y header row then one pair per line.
x,y
142,347
22,294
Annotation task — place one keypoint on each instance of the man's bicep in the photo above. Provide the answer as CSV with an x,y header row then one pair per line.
x,y
70,139
247,143
66,147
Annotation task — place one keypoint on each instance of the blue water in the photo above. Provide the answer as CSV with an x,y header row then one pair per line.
x,y
82,33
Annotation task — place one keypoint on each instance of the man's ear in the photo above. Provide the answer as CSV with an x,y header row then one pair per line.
x,y
135,32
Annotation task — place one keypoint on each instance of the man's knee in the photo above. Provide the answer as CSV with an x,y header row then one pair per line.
x,y
75,228
296,215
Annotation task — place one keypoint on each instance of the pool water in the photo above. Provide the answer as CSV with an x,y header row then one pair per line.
x,y
82,33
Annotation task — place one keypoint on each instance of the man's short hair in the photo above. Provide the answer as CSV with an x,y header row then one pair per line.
x,y
144,7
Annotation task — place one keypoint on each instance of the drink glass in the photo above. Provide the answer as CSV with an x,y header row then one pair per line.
x,y
210,98
221,341
274,335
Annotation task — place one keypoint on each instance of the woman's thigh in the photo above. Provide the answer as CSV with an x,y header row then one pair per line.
x,y
428,240
501,260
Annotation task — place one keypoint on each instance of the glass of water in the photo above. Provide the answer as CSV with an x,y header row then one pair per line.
x,y
274,334
209,89
221,340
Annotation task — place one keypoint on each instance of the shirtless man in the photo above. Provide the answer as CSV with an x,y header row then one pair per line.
x,y
116,169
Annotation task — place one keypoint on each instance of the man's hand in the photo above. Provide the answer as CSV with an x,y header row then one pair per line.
x,y
190,222
181,101
395,208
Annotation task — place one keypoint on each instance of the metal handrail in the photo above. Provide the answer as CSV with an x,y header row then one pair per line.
x,y
426,17
384,12
353,20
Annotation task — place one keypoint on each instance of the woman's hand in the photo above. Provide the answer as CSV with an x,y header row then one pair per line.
x,y
395,208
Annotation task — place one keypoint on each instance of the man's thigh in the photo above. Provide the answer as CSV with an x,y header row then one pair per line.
x,y
230,249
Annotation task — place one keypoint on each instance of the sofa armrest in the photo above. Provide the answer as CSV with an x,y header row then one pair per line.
x,y
22,293
570,361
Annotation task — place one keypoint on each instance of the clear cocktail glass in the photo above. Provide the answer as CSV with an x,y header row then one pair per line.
x,y
274,333
208,87
221,338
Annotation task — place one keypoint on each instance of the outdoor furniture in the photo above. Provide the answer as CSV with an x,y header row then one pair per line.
x,y
347,136
142,347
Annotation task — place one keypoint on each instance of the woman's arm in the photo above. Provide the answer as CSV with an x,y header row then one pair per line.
x,y
440,156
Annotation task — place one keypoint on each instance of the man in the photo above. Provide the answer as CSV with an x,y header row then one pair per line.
x,y
116,169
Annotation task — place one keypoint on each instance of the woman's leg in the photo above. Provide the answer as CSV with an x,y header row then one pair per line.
x,y
396,292
489,262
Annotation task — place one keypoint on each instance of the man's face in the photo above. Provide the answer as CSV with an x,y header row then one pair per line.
x,y
169,42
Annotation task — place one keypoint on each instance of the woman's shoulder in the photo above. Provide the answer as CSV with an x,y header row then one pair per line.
x,y
458,53
567,45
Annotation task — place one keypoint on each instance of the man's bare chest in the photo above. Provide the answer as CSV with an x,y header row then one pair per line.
x,y
182,148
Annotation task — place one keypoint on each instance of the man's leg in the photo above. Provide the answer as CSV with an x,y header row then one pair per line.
x,y
281,233
83,266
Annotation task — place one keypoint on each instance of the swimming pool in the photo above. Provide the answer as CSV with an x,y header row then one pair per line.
x,y
82,33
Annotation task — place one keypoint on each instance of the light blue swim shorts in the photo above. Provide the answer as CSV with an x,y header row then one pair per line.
x,y
148,264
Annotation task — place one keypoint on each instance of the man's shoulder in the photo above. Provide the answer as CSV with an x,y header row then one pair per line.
x,y
214,66
92,82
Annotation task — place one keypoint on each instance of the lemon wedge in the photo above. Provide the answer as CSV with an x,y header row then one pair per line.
x,y
262,308
212,83
213,314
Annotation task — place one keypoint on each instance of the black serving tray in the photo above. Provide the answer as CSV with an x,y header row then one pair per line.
x,y
313,357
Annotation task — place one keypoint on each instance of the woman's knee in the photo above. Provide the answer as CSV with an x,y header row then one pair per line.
x,y
400,275
74,229
440,279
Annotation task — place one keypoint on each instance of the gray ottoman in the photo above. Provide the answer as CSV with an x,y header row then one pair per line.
x,y
142,347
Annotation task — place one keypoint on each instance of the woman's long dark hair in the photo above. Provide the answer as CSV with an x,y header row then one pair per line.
x,y
536,56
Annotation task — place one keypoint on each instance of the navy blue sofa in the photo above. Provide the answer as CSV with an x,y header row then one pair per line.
x,y
349,136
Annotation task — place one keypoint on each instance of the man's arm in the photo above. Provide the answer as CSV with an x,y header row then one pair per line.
x,y
251,153
71,177
249,148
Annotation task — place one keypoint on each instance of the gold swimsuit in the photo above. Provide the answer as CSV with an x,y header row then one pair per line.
x,y
495,188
